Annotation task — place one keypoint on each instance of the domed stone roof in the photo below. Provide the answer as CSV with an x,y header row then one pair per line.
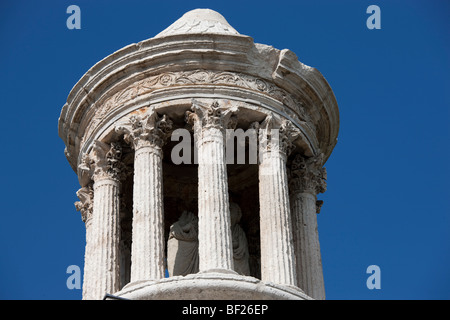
x,y
199,21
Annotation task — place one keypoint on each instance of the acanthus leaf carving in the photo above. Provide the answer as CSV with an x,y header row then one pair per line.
x,y
106,161
204,117
85,169
85,205
147,129
276,134
308,174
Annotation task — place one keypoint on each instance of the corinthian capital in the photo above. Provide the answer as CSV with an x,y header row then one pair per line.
x,y
205,116
145,130
276,134
86,196
107,161
308,174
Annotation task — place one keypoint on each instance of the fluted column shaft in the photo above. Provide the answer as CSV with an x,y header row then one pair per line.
x,y
214,231
87,282
277,256
307,179
147,132
86,196
276,137
214,224
147,251
307,247
104,239
102,265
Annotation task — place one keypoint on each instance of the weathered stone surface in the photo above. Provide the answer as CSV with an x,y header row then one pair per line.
x,y
277,255
102,233
211,286
306,245
85,206
199,21
147,134
307,179
214,233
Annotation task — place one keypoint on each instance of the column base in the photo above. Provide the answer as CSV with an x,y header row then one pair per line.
x,y
210,286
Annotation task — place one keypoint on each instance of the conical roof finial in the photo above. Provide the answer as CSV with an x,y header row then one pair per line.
x,y
199,21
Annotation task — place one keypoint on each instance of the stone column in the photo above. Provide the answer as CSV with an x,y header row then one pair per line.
x,y
277,255
307,179
102,233
214,233
86,196
147,134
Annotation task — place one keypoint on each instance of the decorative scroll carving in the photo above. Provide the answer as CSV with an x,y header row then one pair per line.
x,y
308,174
295,108
203,77
149,129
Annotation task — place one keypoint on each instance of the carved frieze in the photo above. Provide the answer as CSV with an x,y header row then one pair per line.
x,y
202,77
295,108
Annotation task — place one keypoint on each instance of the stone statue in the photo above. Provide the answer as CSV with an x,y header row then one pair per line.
x,y
182,246
240,245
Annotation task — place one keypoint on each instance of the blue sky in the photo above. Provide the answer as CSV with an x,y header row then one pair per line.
x,y
387,202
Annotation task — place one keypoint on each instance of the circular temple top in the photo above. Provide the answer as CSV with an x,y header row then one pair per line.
x,y
199,56
199,21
